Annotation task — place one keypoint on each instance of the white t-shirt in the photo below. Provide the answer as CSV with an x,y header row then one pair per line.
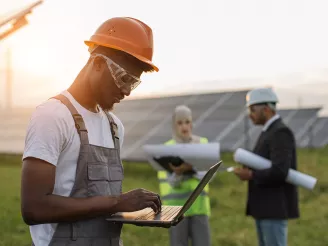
x,y
52,137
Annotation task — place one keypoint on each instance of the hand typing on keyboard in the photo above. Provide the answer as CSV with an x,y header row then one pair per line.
x,y
138,199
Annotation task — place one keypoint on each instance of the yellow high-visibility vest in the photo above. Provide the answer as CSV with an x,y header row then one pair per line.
x,y
177,196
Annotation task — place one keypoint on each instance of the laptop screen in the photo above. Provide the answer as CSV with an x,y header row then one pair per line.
x,y
199,188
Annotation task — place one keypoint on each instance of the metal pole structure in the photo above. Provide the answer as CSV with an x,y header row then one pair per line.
x,y
299,102
246,130
9,81
17,20
310,146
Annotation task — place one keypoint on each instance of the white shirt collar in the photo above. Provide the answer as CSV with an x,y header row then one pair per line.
x,y
269,122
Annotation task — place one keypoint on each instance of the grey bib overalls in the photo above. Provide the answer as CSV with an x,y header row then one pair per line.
x,y
99,172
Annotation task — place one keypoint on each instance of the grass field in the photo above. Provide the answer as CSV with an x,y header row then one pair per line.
x,y
229,226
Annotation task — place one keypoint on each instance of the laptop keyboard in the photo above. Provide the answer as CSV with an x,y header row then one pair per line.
x,y
167,213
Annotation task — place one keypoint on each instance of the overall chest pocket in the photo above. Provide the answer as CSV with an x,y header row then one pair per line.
x,y
115,179
104,180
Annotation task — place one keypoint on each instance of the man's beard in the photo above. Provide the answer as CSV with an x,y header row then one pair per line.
x,y
106,106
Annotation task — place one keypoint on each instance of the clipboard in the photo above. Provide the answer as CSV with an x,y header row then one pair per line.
x,y
174,160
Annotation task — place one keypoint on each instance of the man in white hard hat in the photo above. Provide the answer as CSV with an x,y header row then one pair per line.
x,y
271,201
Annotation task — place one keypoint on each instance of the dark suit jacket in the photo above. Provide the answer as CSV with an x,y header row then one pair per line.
x,y
269,196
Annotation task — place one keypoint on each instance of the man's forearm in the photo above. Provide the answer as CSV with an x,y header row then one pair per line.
x,y
281,153
55,209
269,176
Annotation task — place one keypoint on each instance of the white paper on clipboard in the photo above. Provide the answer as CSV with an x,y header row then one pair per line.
x,y
201,156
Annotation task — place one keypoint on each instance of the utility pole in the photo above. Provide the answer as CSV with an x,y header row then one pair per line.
x,y
9,81
299,102
16,21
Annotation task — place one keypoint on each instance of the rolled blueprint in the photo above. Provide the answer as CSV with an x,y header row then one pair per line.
x,y
257,162
200,156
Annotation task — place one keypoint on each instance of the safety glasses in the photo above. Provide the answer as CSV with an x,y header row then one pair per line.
x,y
121,77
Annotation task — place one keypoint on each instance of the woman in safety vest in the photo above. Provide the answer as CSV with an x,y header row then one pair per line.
x,y
175,188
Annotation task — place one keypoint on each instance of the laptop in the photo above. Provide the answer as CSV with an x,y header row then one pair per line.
x,y
170,215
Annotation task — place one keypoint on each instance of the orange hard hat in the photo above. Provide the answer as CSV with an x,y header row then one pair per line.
x,y
126,34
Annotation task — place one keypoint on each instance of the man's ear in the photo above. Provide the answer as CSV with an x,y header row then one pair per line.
x,y
268,111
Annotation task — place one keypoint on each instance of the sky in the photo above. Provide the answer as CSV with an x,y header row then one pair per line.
x,y
198,45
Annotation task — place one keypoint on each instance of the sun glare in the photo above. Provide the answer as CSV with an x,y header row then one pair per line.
x,y
35,60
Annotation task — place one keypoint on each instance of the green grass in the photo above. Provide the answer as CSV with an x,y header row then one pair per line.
x,y
229,226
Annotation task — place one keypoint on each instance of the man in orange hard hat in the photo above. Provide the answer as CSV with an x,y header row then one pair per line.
x,y
72,172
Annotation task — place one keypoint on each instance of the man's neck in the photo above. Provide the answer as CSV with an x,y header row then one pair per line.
x,y
269,118
82,94
269,122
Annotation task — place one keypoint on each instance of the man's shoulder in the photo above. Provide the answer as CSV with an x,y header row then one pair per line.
x,y
281,127
116,119
51,108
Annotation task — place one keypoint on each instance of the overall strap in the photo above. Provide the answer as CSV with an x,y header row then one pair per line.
x,y
114,130
79,122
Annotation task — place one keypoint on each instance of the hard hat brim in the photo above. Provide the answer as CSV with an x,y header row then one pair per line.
x,y
140,58
260,102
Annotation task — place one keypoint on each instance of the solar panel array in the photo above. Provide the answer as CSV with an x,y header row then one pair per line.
x,y
13,130
299,120
318,134
221,117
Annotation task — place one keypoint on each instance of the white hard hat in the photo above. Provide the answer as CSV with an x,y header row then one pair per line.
x,y
261,95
